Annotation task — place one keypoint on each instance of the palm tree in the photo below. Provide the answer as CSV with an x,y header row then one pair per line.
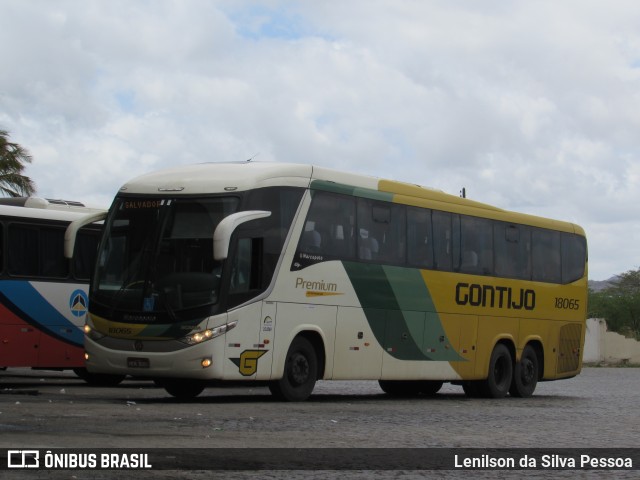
x,y
12,159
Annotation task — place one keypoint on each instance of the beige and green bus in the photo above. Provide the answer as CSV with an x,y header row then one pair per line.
x,y
284,274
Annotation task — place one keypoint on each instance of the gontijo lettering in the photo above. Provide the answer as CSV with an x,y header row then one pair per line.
x,y
491,296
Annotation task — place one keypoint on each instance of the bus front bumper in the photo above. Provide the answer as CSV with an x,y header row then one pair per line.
x,y
202,361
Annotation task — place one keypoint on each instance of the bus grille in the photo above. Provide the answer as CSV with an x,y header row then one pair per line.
x,y
569,355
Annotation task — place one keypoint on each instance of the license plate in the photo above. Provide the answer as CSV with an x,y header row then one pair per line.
x,y
138,362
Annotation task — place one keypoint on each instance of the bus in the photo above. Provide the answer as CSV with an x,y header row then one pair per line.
x,y
43,296
285,274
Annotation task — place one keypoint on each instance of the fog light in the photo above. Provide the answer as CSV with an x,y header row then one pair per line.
x,y
206,362
86,356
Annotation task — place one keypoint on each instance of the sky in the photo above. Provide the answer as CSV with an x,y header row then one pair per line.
x,y
530,106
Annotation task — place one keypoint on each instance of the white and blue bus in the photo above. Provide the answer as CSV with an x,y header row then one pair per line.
x,y
43,295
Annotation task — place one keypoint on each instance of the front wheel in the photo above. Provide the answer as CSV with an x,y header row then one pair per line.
x,y
525,375
300,372
182,389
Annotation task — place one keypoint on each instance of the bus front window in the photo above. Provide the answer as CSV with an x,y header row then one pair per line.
x,y
157,255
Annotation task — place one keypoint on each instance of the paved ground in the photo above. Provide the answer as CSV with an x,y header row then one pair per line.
x,y
597,409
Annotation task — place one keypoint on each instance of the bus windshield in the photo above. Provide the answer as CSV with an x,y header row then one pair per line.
x,y
157,254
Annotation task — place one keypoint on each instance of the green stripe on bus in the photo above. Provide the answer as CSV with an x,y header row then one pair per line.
x,y
400,312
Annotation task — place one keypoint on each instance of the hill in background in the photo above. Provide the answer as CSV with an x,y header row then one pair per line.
x,y
598,285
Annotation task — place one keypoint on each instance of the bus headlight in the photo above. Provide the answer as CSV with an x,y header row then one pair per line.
x,y
92,333
208,334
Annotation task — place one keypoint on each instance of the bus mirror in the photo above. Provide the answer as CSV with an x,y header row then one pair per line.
x,y
72,231
224,230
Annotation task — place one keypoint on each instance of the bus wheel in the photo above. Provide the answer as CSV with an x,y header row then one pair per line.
x,y
525,375
99,379
410,388
183,389
300,372
498,382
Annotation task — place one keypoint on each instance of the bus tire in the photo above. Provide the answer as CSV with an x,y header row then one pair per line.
x,y
410,388
525,374
498,382
99,379
183,389
300,372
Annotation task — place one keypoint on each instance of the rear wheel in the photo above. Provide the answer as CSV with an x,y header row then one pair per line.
x,y
525,374
300,372
498,382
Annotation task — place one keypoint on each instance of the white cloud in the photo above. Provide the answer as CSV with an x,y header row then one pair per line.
x,y
531,106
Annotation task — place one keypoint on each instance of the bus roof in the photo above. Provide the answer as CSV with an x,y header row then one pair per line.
x,y
40,208
219,177
209,178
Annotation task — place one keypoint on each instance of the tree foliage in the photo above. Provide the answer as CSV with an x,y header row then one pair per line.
x,y
619,304
13,158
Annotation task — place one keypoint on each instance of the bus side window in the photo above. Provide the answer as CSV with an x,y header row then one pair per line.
x,y
442,241
381,228
574,257
311,240
368,244
84,255
23,245
246,265
476,238
340,234
419,238
512,251
37,251
329,228
546,264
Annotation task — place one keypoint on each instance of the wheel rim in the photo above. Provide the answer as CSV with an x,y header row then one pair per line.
x,y
527,372
299,372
